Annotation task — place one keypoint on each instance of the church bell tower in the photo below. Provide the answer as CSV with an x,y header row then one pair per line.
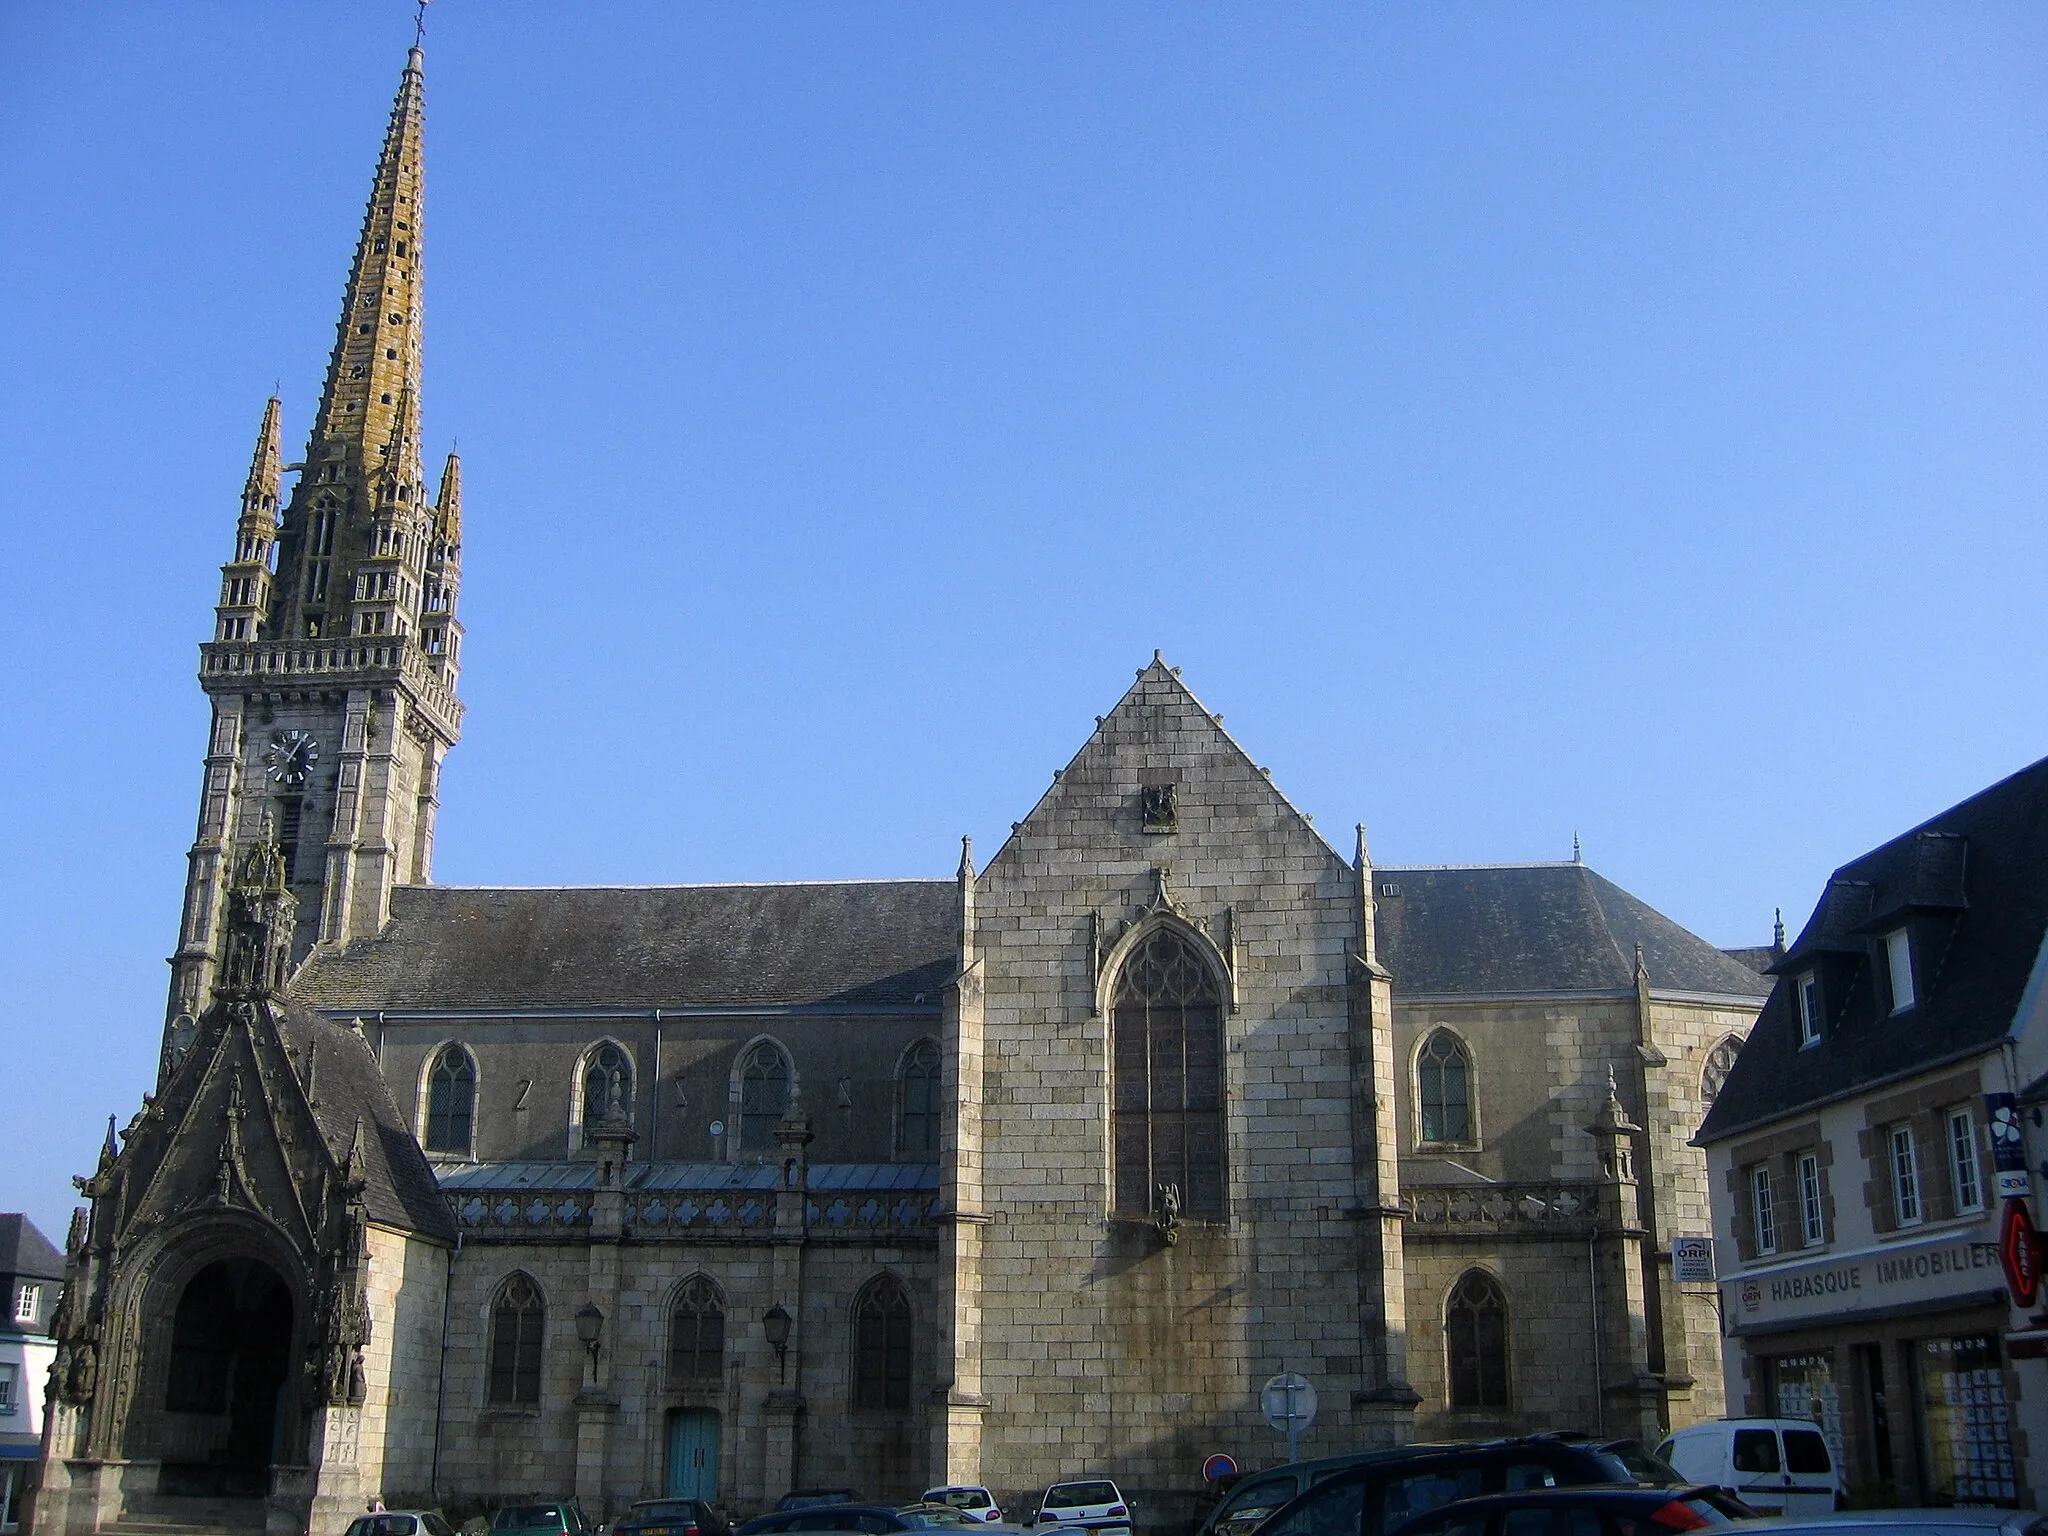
x,y
331,671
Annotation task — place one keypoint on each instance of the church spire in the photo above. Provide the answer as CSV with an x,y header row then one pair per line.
x,y
333,680
352,552
373,379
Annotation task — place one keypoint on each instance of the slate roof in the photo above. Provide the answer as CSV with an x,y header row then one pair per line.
x,y
347,1084
1977,875
1531,928
25,1252
856,943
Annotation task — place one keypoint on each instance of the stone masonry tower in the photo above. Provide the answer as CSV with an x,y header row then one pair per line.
x,y
332,666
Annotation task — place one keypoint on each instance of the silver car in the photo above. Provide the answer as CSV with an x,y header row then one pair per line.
x,y
1907,1522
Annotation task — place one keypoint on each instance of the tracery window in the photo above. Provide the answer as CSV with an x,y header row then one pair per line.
x,y
607,1089
517,1321
918,1124
451,1101
1166,1031
1476,1341
1443,1082
881,1345
696,1332
1715,1073
764,1096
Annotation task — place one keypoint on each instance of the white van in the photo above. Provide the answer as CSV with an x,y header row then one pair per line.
x,y
1776,1466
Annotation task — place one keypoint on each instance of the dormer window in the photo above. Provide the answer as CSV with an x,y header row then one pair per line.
x,y
1807,989
1898,954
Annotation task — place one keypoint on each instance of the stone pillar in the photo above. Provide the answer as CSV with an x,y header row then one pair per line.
x,y
1386,1405
1632,1398
957,1402
205,881
597,1405
337,897
784,1408
328,1493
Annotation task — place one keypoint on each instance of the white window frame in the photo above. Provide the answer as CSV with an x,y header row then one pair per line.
x,y
10,1400
25,1302
1966,1168
1907,1209
1898,954
1812,1211
1764,1209
1806,988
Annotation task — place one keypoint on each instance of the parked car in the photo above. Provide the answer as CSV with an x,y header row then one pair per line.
x,y
1776,1466
1257,1494
973,1501
671,1517
808,1498
873,1519
1960,1520
1093,1502
401,1522
561,1518
1390,1489
946,1517
1622,1510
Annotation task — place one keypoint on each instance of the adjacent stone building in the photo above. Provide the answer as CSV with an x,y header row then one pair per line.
x,y
1034,1171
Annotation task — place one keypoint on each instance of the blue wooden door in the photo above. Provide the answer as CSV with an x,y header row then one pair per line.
x,y
693,1454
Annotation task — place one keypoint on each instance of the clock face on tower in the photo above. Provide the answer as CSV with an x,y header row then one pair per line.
x,y
290,757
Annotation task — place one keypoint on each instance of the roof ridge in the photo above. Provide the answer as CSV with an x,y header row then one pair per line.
x,y
696,885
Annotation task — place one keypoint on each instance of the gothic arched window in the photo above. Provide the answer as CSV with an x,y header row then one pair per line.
x,y
1166,1030
1715,1072
764,1096
881,1345
696,1332
917,1127
1443,1083
607,1089
517,1322
451,1101
1476,1341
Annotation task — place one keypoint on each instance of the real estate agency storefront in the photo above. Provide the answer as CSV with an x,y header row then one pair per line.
x,y
1897,1351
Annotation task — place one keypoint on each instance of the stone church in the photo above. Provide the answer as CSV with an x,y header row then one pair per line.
x,y
451,1195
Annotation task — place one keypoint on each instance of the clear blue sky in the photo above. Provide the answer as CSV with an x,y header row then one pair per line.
x,y
1515,419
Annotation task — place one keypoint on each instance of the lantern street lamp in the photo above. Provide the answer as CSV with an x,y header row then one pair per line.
x,y
590,1328
775,1324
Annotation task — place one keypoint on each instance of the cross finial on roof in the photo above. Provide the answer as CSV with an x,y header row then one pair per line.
x,y
419,24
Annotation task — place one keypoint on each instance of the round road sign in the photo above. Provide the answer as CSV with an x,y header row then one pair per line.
x,y
1217,1468
1289,1401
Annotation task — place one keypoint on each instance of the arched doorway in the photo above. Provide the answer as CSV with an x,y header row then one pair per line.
x,y
224,1393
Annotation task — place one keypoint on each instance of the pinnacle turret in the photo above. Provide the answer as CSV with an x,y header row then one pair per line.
x,y
245,580
440,633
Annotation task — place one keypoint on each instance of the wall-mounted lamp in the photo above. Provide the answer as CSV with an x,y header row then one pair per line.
x,y
590,1328
775,1324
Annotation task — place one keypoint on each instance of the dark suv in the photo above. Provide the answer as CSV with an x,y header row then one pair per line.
x,y
1387,1490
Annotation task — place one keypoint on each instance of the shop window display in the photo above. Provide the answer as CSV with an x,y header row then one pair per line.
x,y
1806,1389
1968,1422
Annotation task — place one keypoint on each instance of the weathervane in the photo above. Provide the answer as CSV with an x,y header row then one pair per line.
x,y
419,24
